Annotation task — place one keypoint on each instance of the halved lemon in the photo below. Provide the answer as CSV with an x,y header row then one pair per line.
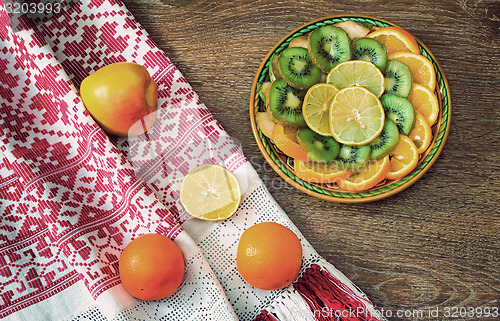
x,y
210,192
357,73
316,107
425,102
374,173
356,116
319,173
421,69
404,158
421,133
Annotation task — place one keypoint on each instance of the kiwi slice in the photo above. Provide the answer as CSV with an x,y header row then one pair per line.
x,y
321,149
370,50
353,158
397,78
285,103
329,46
297,68
400,111
386,142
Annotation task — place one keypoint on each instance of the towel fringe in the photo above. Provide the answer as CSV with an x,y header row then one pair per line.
x,y
319,295
330,299
265,316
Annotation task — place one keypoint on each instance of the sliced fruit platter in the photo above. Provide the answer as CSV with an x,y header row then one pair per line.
x,y
350,108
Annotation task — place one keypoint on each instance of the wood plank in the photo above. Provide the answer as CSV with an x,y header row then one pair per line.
x,y
434,245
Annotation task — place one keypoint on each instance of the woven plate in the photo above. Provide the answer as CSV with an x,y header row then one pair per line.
x,y
283,165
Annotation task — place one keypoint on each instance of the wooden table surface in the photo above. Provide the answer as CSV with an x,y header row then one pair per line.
x,y
435,245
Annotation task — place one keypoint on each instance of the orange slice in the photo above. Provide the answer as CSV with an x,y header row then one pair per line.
x,y
285,138
421,134
319,173
421,69
404,158
395,40
425,102
373,174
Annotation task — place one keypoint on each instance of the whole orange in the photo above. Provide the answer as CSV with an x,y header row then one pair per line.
x,y
269,256
122,98
151,267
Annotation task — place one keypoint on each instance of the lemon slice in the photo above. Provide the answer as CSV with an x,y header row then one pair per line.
x,y
210,192
357,73
356,116
316,107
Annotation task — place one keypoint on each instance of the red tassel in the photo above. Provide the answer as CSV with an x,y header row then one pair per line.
x,y
330,299
265,316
